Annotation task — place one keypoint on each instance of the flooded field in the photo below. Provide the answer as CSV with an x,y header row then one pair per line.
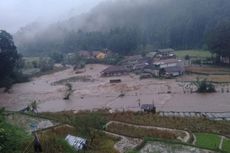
x,y
97,92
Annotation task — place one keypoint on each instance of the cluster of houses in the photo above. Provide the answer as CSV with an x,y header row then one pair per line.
x,y
159,63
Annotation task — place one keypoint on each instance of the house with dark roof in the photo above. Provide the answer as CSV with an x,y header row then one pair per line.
x,y
114,71
162,54
172,71
165,68
168,63
151,69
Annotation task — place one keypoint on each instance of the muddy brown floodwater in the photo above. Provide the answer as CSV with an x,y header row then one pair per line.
x,y
99,93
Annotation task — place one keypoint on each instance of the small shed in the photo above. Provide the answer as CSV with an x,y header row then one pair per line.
x,y
76,142
173,71
148,108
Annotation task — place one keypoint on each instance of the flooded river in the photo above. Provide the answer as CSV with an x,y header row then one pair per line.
x,y
99,93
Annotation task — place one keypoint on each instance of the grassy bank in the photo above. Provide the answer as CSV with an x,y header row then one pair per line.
x,y
148,119
12,139
193,53
138,132
205,70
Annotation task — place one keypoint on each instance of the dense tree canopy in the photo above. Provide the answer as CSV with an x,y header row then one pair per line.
x,y
218,39
8,57
128,26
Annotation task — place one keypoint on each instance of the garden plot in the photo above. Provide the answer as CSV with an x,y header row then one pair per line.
x,y
29,123
226,145
208,115
137,131
212,141
161,147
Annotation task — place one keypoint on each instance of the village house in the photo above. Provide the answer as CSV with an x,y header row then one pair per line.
x,y
166,68
161,54
92,54
140,65
172,71
114,71
130,61
135,63
170,67
152,70
168,63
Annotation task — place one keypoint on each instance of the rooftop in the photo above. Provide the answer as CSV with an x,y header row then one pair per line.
x,y
174,69
167,61
114,69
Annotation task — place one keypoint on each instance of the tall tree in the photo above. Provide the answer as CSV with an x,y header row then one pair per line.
x,y
8,58
218,38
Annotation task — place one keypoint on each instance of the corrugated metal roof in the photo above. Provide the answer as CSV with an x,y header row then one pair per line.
x,y
167,61
76,142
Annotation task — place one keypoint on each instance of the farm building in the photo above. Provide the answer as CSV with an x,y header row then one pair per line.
x,y
163,54
140,65
169,67
129,61
151,54
135,63
152,69
168,63
114,71
172,71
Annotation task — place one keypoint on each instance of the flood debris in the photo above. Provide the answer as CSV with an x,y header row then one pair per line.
x,y
69,90
115,81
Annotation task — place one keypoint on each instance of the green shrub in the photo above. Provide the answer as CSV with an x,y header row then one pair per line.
x,y
12,139
204,86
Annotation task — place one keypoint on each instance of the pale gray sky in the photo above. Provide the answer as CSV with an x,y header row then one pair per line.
x,y
17,13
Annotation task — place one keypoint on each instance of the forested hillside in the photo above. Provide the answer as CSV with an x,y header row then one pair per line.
x,y
127,26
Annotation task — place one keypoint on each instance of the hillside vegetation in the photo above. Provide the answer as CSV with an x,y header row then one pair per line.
x,y
127,27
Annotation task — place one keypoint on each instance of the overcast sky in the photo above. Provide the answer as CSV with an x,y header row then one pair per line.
x,y
17,13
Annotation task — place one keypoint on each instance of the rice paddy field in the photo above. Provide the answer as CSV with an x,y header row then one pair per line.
x,y
211,141
193,53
